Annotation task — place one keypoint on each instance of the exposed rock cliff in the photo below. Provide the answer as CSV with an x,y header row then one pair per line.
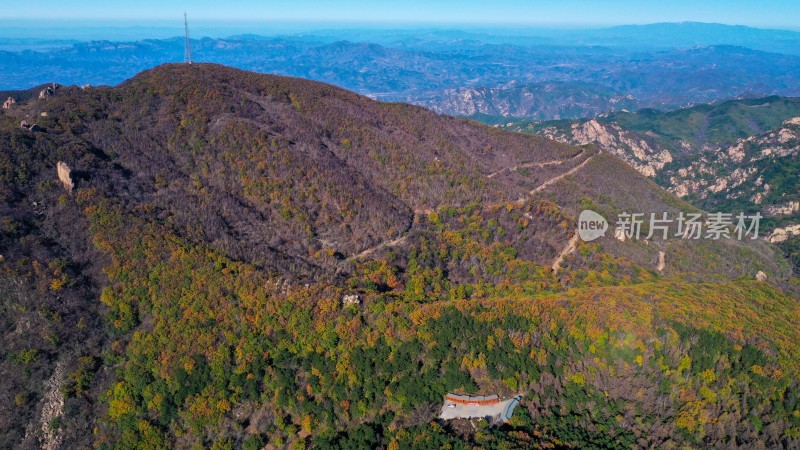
x,y
638,150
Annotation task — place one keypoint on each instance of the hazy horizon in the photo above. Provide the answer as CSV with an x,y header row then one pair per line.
x,y
305,15
117,29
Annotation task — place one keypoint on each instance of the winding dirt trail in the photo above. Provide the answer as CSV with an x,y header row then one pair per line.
x,y
555,162
558,178
372,250
397,241
572,244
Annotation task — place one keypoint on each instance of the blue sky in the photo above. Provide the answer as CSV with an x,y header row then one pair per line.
x,y
768,13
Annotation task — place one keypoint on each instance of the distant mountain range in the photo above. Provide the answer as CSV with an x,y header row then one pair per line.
x,y
544,75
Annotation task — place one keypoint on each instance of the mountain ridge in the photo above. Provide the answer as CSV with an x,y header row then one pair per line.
x,y
431,70
735,155
202,279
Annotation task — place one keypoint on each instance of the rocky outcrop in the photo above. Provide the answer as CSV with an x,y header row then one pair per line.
x,y
779,235
30,127
785,209
351,299
48,91
641,152
64,176
44,431
704,171
741,170
9,103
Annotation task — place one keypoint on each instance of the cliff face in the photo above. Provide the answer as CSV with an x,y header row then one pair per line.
x,y
734,156
759,173
753,169
696,166
642,152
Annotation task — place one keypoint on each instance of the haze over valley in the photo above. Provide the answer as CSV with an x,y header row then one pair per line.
x,y
562,74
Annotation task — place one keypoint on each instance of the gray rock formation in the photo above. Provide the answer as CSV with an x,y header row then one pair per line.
x,y
641,152
48,91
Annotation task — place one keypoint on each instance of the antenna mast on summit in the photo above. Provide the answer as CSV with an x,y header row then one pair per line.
x,y
187,51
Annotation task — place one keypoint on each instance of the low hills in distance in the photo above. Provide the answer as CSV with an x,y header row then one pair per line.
x,y
534,74
203,256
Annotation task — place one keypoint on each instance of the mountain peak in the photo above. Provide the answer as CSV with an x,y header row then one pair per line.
x,y
279,258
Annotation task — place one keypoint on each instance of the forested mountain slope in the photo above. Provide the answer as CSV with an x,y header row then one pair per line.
x,y
182,282
732,156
